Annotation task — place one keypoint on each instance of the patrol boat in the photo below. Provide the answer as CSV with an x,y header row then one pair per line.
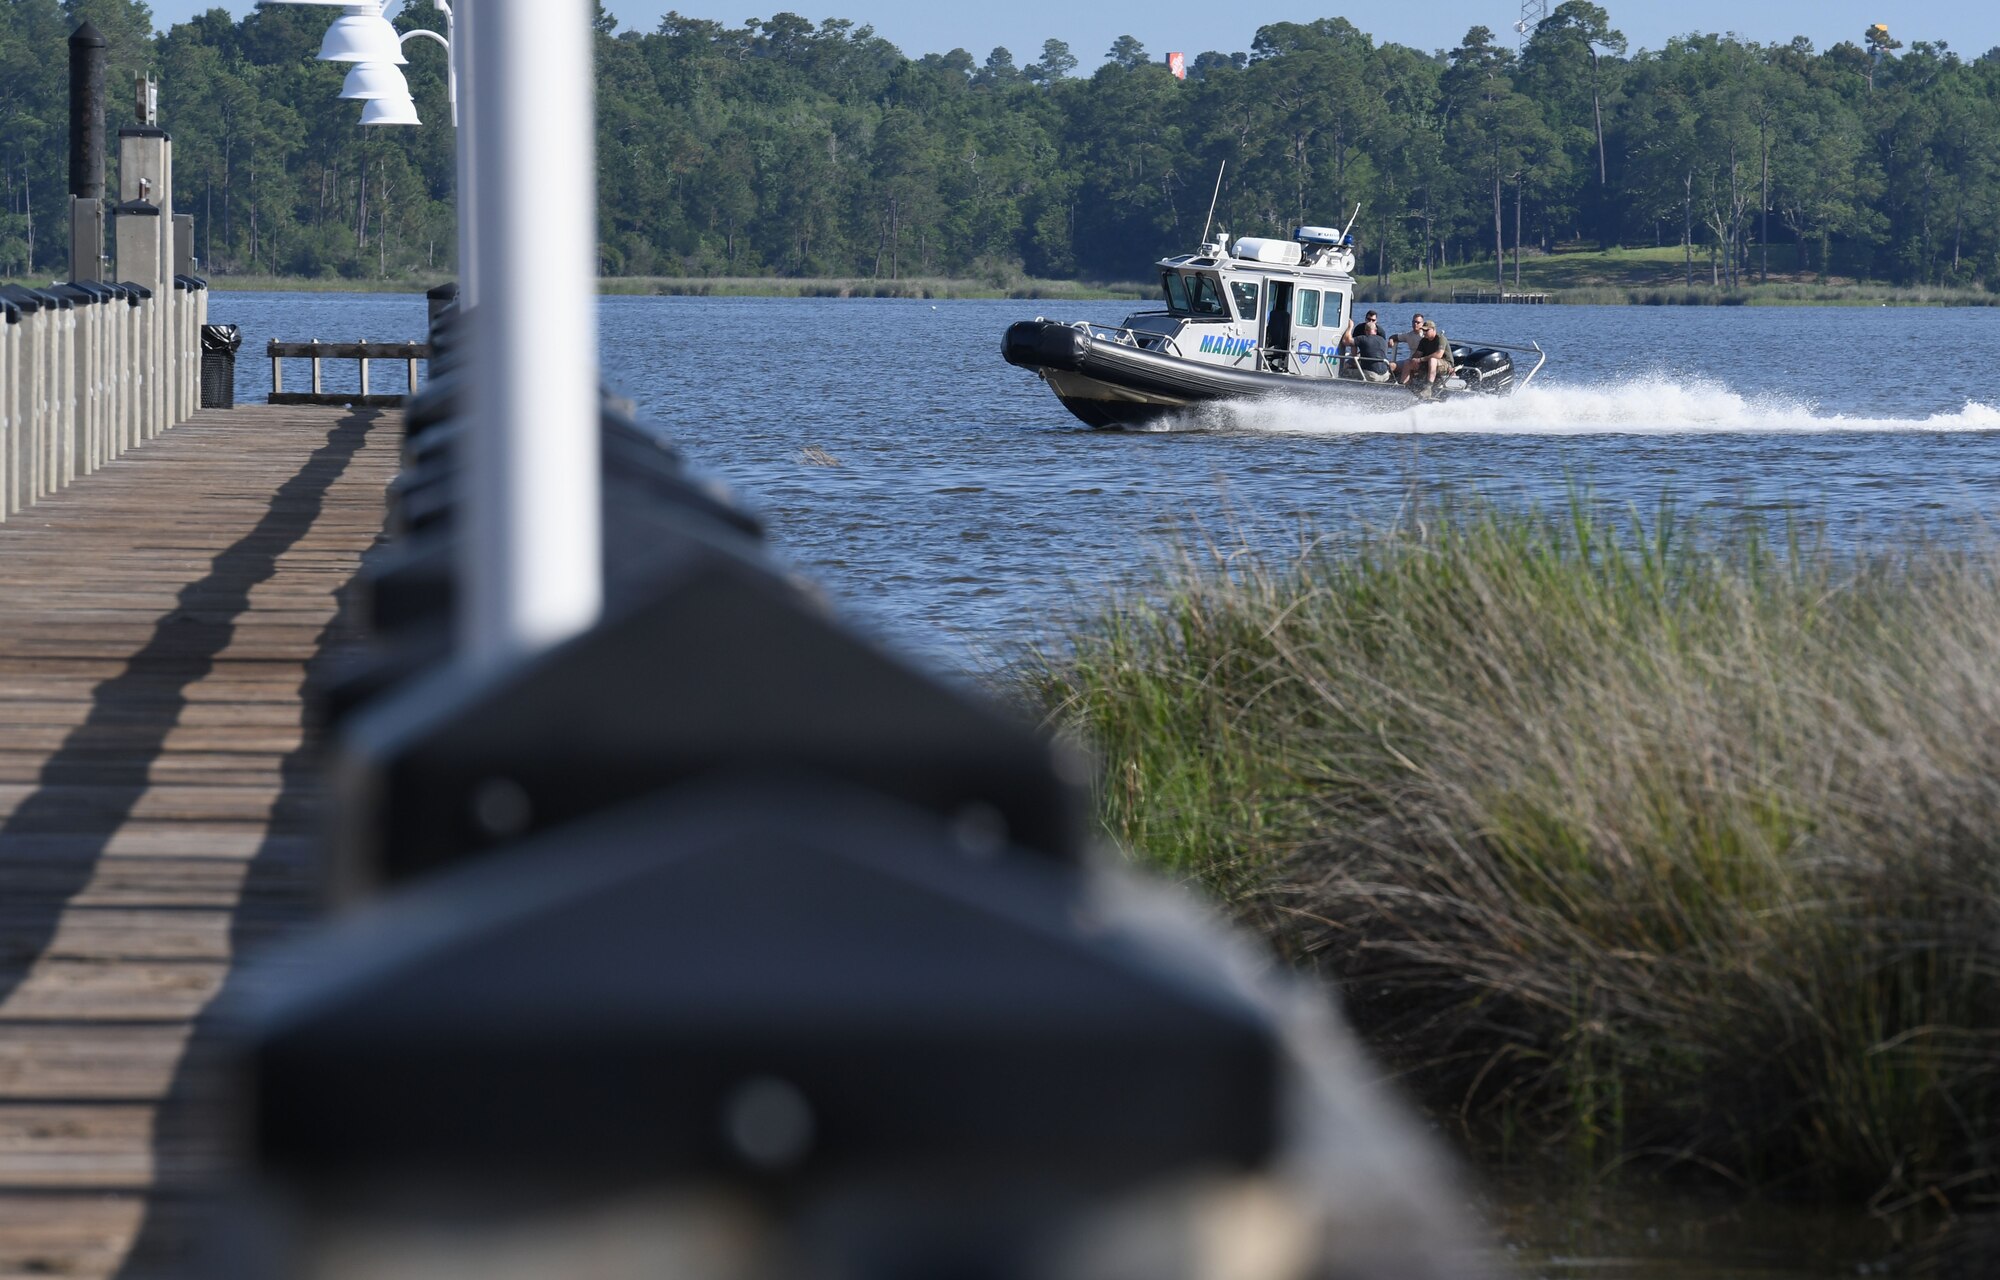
x,y
1262,317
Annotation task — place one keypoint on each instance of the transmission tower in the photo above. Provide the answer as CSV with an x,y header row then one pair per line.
x,y
1532,13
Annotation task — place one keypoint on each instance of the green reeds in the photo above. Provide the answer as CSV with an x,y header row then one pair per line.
x,y
1620,841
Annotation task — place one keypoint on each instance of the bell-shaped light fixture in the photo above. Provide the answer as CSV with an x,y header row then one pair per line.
x,y
371,80
389,111
362,34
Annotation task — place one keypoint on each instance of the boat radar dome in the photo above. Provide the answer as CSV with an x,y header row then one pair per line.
x,y
1317,235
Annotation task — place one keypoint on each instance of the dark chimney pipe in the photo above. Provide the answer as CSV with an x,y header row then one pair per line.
x,y
86,113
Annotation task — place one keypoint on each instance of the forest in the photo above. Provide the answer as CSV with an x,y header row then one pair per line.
x,y
786,147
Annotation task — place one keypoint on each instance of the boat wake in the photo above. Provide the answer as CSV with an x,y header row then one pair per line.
x,y
1654,406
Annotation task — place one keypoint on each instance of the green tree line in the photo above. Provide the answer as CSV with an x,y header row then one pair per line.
x,y
785,147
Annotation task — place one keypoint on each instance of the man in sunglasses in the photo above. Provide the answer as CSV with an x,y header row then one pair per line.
x,y
1369,347
1430,355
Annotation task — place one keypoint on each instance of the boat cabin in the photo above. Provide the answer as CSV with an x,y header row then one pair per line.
x,y
1276,305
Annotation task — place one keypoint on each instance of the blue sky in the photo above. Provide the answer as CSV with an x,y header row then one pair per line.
x,y
926,26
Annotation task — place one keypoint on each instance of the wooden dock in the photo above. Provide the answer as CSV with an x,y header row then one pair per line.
x,y
1491,297
159,621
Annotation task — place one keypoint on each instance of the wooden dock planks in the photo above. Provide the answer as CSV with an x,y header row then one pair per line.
x,y
158,623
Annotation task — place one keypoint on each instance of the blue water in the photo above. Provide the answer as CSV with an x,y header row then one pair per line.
x,y
968,508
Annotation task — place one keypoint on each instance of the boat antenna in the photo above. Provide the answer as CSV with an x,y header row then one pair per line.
x,y
1218,196
1351,221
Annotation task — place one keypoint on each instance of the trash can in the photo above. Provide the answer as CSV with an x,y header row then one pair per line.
x,y
219,343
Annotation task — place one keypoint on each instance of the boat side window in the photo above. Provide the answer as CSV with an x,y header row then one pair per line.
x,y
1308,309
1206,298
1336,309
1177,296
1246,298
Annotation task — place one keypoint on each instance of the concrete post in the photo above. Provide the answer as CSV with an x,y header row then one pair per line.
x,y
200,323
113,402
10,338
145,177
125,368
80,387
100,387
153,402
70,463
20,460
34,369
86,239
64,426
138,225
197,316
188,369
187,330
121,377
46,336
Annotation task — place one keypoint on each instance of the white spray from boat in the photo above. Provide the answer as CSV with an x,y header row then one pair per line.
x,y
1649,406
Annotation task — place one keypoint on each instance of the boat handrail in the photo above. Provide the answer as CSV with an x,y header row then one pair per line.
x,y
1127,337
1352,361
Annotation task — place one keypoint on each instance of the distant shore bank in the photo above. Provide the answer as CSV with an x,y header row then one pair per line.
x,y
1397,292
925,287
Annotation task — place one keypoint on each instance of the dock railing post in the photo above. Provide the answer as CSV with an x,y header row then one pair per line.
x,y
10,384
532,571
134,381
64,437
363,361
25,457
122,375
38,414
31,406
86,383
149,372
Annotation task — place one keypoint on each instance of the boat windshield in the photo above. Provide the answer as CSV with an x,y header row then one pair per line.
x,y
1193,295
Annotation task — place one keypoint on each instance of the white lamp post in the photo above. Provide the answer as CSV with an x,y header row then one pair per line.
x,y
531,551
531,541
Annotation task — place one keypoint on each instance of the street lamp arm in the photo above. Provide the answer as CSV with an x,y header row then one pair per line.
x,y
421,31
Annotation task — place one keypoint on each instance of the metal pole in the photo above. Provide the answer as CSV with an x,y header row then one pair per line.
x,y
450,61
531,549
464,38
86,119
10,334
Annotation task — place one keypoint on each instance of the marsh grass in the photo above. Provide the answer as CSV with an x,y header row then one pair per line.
x,y
1622,841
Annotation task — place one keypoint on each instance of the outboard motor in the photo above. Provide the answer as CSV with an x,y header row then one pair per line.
x,y
1484,369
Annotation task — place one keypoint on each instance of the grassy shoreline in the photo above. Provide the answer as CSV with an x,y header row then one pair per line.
x,y
928,287
1622,847
1658,276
